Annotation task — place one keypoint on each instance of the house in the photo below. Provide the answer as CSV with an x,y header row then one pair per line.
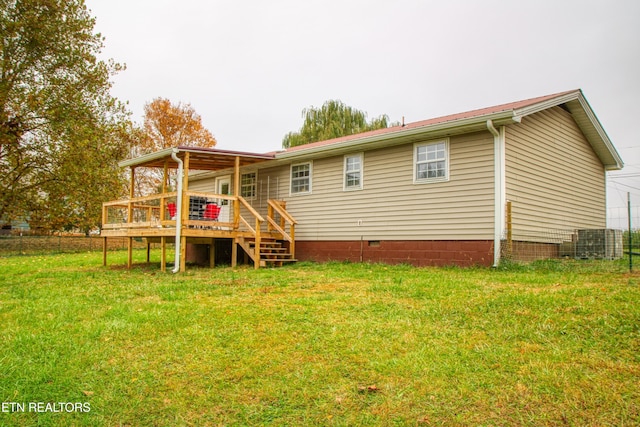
x,y
464,189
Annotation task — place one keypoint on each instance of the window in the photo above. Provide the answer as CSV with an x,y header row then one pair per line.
x,y
301,178
353,172
248,185
431,161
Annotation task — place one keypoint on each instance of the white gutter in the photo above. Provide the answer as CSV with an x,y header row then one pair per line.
x,y
499,189
176,267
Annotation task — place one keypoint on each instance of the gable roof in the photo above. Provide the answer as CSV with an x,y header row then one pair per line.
x,y
469,121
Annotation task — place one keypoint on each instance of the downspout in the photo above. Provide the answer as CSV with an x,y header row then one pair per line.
x,y
176,267
499,196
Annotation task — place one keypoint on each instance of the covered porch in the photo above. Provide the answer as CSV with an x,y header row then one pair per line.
x,y
183,216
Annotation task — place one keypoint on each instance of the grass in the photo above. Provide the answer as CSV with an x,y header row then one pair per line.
x,y
552,343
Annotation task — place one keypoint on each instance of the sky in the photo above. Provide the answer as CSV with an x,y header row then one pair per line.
x,y
250,67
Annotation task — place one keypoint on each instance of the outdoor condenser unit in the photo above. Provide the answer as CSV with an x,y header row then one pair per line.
x,y
599,244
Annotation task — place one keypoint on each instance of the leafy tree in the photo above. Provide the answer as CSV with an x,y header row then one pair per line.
x,y
61,132
168,125
66,205
333,120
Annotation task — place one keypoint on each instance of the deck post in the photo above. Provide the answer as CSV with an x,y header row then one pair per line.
x,y
163,255
104,251
234,253
130,217
183,253
292,244
132,187
185,212
258,241
236,193
165,176
129,252
236,211
148,251
212,253
185,188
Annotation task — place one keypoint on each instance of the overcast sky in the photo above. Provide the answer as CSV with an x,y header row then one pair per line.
x,y
250,67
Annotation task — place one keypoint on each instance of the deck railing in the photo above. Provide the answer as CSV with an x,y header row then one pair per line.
x,y
160,211
138,212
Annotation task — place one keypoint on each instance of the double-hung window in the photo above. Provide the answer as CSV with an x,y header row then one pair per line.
x,y
353,172
248,185
301,178
431,161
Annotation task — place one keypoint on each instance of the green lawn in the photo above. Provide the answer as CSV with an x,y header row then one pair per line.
x,y
554,343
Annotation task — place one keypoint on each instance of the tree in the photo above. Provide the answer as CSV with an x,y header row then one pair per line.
x,y
333,120
60,129
168,125
73,201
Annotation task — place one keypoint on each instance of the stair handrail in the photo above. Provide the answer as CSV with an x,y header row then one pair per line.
x,y
250,208
256,232
285,216
283,212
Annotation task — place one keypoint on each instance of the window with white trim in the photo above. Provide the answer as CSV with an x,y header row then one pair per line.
x,y
353,166
431,161
301,178
248,185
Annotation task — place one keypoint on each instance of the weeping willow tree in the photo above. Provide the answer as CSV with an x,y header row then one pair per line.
x,y
333,120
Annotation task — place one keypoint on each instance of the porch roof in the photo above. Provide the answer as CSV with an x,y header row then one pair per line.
x,y
209,159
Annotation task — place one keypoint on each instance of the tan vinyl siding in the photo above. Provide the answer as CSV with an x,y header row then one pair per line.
x,y
553,177
391,206
203,185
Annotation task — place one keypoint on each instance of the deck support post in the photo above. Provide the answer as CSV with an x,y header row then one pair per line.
x,y
258,241
132,188
236,193
148,251
212,253
183,253
129,252
163,255
236,210
234,253
104,251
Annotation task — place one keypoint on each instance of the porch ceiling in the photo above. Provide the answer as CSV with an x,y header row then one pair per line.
x,y
209,159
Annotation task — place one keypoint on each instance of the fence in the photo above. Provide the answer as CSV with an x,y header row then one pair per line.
x,y
614,242
32,245
579,244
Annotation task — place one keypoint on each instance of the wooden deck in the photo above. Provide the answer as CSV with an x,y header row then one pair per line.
x,y
184,216
269,241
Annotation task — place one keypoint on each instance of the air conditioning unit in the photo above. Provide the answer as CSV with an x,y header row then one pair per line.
x,y
599,244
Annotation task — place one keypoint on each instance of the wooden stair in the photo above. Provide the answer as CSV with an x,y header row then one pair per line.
x,y
272,251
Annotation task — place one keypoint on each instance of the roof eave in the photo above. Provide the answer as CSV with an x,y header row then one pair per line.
x,y
146,158
598,138
586,120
